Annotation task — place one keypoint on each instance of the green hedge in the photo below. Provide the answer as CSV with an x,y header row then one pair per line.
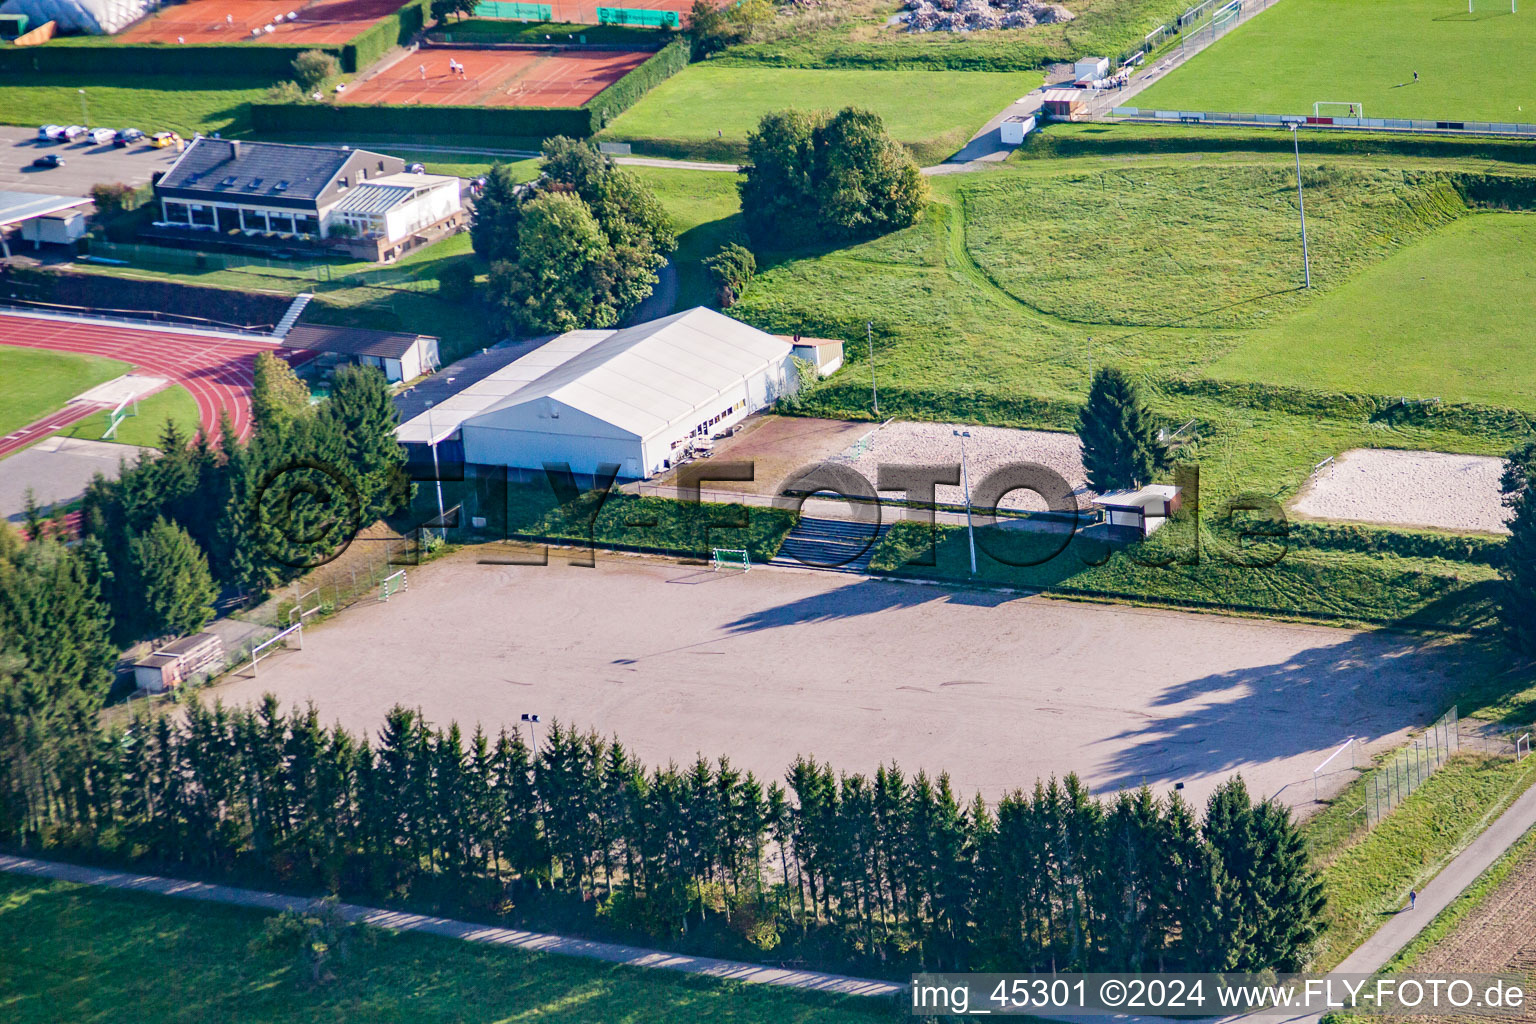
x,y
250,60
1489,419
1373,540
376,40
488,124
624,93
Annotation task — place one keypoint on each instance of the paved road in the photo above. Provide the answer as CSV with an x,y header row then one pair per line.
x,y
396,920
1477,858
85,164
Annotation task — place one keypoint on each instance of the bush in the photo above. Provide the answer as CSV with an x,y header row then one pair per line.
x,y
815,177
237,60
731,270
314,941
313,68
114,200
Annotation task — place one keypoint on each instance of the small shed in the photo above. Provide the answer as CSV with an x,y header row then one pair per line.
x,y
22,208
1013,129
1090,68
1062,103
401,356
826,354
1136,510
201,654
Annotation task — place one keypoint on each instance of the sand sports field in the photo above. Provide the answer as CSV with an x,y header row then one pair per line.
x,y
496,78
997,690
1402,488
273,21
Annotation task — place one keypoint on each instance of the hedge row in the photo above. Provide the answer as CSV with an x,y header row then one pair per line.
x,y
237,60
396,30
195,303
489,125
624,93
1488,419
1456,547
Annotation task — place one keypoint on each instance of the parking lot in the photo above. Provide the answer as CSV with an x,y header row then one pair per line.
x,y
85,164
996,689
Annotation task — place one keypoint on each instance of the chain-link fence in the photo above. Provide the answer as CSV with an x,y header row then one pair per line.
x,y
1407,768
303,273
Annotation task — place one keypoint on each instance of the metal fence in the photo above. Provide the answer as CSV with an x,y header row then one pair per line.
x,y
1409,767
1385,124
306,272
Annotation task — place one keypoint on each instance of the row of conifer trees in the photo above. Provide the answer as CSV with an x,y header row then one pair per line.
x,y
886,870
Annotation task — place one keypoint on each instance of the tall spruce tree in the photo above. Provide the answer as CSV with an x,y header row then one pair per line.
x,y
359,405
172,580
1517,600
1120,443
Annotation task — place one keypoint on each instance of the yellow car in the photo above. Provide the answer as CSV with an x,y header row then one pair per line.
x,y
161,140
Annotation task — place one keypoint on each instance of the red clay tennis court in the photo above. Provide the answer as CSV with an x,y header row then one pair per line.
x,y
232,21
497,78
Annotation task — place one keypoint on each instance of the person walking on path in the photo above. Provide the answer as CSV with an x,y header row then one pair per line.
x,y
1413,898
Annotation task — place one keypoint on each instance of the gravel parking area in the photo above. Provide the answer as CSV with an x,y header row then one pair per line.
x,y
933,444
998,690
1400,488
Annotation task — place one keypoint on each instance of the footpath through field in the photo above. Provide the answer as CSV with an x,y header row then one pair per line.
x,y
403,921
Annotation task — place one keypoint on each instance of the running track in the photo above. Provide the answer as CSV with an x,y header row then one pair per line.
x,y
217,371
71,413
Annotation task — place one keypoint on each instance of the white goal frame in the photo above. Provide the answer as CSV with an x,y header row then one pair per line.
x,y
1359,108
1514,5
730,558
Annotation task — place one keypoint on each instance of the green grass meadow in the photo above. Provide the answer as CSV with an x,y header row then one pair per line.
x,y
36,382
80,955
1472,66
184,104
1449,316
707,110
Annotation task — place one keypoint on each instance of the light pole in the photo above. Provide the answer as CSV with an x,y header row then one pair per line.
x,y
436,476
1301,204
965,476
85,118
1090,361
869,333
533,721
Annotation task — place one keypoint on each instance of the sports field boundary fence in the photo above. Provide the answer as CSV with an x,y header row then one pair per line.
x,y
1416,126
1405,769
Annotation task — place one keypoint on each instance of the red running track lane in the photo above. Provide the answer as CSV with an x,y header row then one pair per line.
x,y
33,432
217,371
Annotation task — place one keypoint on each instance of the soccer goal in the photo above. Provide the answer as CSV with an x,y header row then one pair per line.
x,y
392,584
1473,6
266,647
1334,108
731,558
127,407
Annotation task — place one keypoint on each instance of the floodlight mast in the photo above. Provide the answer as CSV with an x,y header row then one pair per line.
x,y
1301,205
965,472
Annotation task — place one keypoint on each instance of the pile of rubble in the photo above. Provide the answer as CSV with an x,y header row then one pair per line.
x,y
974,15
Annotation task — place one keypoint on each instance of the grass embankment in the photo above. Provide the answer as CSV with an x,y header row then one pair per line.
x,y
855,34
36,382
1367,874
405,295
492,30
144,430
1304,51
184,104
706,213
81,954
706,110
994,307
530,512
1447,340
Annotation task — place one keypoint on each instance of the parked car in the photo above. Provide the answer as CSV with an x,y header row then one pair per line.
x,y
74,131
103,136
163,139
127,137
49,132
44,163
417,169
